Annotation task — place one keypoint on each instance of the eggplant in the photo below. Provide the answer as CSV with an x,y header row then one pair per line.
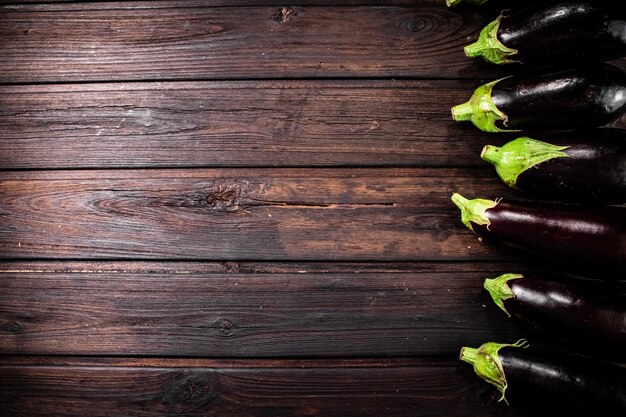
x,y
586,96
579,236
581,166
572,30
580,383
587,314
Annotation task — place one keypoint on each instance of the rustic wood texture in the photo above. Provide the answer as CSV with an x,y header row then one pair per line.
x,y
178,41
180,312
168,40
236,208
264,387
392,388
263,214
281,123
157,40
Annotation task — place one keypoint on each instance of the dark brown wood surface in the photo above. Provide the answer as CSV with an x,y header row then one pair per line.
x,y
261,123
168,40
293,310
109,42
262,214
242,208
261,388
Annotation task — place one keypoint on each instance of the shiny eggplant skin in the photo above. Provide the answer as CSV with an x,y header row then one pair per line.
x,y
566,30
575,235
586,96
586,314
592,169
582,383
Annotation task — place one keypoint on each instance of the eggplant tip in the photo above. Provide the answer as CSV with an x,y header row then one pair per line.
x,y
487,365
473,211
499,289
489,47
481,110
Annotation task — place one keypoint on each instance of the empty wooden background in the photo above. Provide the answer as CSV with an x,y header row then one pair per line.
x,y
239,208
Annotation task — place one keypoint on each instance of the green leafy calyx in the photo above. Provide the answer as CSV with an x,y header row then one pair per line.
x,y
481,110
487,364
499,289
519,155
473,211
489,47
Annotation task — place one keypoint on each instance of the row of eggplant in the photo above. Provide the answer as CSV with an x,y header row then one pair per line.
x,y
581,168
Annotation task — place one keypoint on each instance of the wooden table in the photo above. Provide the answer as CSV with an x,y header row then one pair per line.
x,y
212,208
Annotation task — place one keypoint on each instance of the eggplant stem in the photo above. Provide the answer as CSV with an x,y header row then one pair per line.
x,y
499,289
519,155
489,47
463,112
487,363
473,211
481,110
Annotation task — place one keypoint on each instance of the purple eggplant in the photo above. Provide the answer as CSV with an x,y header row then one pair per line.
x,y
575,235
580,166
583,97
571,30
587,314
580,384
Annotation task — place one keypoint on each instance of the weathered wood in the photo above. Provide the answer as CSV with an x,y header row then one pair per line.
x,y
178,312
78,4
282,123
253,267
443,388
244,214
128,41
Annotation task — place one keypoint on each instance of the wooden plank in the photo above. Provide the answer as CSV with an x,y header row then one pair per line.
x,y
282,123
304,313
99,41
243,214
78,4
319,123
179,41
251,267
445,388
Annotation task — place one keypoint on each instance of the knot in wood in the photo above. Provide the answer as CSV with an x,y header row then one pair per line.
x,y
13,327
190,391
224,198
224,327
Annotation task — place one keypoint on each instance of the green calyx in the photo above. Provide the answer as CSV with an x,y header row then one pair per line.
x,y
489,47
487,364
499,289
481,110
519,155
473,211
451,3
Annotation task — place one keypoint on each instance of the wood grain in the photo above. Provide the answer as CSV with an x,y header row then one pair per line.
x,y
444,388
432,311
281,123
137,41
243,214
